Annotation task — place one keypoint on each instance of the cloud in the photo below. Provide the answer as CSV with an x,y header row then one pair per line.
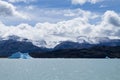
x,y
52,33
25,1
103,6
8,10
57,15
81,2
109,26
112,18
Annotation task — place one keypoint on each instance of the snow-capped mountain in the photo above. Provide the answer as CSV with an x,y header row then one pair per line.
x,y
15,38
47,42
53,41
87,42
19,55
72,45
7,47
39,43
12,44
92,40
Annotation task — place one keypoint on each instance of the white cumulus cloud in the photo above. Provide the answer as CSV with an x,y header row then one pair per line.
x,y
81,2
25,1
8,10
109,26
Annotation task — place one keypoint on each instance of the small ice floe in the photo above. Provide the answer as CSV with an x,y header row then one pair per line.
x,y
107,57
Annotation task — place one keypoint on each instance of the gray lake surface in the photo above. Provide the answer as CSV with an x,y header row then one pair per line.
x,y
60,69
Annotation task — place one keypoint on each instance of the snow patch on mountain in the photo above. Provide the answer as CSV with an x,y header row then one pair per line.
x,y
48,41
53,40
92,40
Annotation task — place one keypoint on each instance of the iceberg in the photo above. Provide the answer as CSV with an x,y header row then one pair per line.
x,y
19,55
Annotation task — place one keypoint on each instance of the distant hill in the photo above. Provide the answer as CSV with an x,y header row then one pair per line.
x,y
93,52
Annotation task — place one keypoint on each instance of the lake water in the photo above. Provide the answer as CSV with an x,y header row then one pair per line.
x,y
60,69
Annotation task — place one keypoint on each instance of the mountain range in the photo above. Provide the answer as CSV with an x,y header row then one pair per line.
x,y
13,44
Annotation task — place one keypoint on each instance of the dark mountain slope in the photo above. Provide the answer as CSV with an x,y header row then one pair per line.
x,y
7,47
93,52
72,45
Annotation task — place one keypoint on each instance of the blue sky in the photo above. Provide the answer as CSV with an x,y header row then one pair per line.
x,y
103,5
36,7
